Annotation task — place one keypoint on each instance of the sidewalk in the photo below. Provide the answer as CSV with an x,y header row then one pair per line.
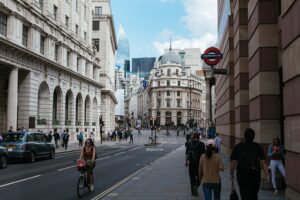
x,y
168,179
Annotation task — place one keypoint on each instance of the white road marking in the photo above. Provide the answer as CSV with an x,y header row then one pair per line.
x,y
59,156
62,169
135,148
103,158
22,180
154,149
119,153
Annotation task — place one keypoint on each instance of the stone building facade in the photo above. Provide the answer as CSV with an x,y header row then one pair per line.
x,y
260,42
175,94
49,74
105,45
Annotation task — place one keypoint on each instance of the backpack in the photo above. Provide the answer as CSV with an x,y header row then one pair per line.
x,y
249,162
195,152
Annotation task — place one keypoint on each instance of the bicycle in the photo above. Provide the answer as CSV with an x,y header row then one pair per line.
x,y
82,180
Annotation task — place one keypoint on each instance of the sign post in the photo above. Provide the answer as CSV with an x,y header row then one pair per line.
x,y
212,56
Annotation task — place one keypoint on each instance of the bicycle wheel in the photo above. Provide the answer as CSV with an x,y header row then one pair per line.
x,y
80,186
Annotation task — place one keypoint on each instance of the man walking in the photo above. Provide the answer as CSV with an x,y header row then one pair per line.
x,y
218,142
56,138
65,139
246,158
194,150
80,138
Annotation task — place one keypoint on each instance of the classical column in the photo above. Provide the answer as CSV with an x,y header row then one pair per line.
x,y
12,99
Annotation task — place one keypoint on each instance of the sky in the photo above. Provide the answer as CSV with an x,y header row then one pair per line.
x,y
149,24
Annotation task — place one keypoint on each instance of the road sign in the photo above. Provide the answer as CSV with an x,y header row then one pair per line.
x,y
212,56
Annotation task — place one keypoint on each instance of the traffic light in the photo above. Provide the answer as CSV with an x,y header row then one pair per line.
x,y
101,122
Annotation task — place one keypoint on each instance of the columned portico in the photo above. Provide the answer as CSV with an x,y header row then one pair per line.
x,y
12,98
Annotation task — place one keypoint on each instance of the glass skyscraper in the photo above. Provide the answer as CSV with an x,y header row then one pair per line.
x,y
123,52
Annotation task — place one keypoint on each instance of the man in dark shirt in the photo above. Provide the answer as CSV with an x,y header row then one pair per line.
x,y
194,150
246,158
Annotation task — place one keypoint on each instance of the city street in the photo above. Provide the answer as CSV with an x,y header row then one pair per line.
x,y
57,179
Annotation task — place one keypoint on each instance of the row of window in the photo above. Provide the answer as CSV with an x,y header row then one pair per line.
x,y
168,103
25,34
168,93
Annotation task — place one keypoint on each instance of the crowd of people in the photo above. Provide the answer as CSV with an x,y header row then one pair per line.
x,y
247,160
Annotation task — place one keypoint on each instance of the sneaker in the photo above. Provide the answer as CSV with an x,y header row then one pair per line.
x,y
91,188
275,192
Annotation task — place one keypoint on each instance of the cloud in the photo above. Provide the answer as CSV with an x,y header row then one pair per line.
x,y
167,1
200,20
182,43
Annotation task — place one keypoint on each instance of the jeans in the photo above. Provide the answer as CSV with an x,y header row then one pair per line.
x,y
209,187
276,164
249,187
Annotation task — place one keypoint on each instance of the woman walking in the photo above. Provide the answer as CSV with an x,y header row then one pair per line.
x,y
276,153
210,165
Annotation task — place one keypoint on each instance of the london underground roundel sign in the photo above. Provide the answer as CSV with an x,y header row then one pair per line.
x,y
212,56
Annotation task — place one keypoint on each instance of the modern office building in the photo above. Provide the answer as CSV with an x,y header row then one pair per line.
x,y
49,76
260,44
123,52
105,46
142,65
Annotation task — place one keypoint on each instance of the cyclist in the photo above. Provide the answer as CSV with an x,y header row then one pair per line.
x,y
88,153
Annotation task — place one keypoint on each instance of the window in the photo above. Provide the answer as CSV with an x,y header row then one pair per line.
x,y
178,83
96,26
84,36
78,64
85,12
176,72
168,102
169,72
76,5
42,45
178,103
178,93
55,12
158,103
158,83
96,44
67,21
168,93
76,29
68,58
168,83
25,35
3,23
98,10
159,93
56,52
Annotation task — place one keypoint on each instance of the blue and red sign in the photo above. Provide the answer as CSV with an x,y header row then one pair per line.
x,y
212,56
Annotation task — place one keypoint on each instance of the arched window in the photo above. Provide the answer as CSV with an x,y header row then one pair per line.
x,y
169,72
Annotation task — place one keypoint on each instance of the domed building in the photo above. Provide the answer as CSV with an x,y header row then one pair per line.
x,y
175,94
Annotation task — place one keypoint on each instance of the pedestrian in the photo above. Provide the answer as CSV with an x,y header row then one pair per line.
x,y
210,166
66,139
56,138
276,154
246,158
11,129
49,137
92,136
80,138
139,130
194,150
218,142
62,136
130,136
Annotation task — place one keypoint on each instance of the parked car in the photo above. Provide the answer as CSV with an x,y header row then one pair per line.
x,y
28,145
3,157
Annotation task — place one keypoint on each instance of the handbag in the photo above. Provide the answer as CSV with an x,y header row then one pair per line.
x,y
233,195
